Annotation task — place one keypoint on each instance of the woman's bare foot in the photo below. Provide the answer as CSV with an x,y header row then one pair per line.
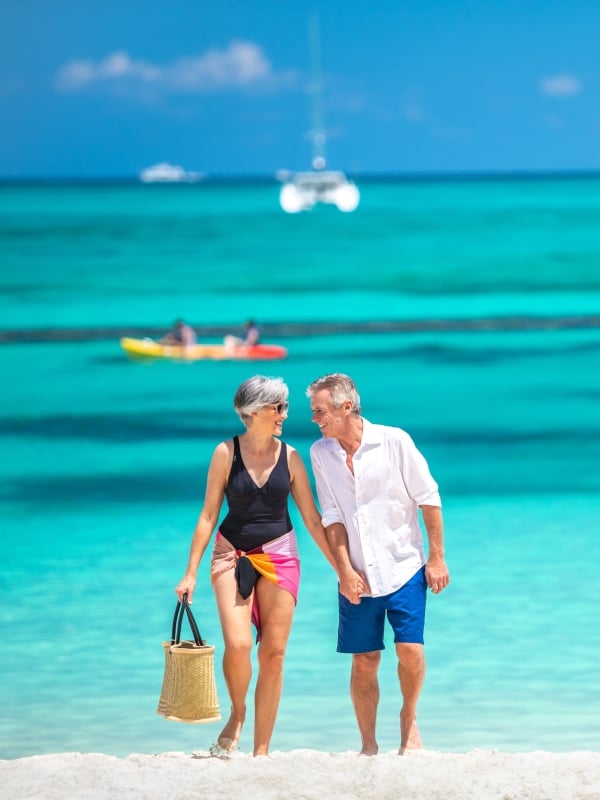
x,y
229,738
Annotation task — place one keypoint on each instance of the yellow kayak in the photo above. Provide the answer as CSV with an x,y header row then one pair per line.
x,y
149,348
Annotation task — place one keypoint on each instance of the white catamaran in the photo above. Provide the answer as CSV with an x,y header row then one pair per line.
x,y
302,190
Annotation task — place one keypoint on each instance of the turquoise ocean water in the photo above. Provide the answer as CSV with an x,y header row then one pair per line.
x,y
497,378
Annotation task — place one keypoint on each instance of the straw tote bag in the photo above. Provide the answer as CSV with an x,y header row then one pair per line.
x,y
189,692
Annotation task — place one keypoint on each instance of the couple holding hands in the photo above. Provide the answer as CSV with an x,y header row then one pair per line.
x,y
371,482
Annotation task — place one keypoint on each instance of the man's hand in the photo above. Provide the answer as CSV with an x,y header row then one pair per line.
x,y
436,574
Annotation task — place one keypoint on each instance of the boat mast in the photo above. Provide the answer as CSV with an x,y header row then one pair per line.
x,y
316,90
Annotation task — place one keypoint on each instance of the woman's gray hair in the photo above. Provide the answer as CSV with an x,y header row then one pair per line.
x,y
340,387
257,392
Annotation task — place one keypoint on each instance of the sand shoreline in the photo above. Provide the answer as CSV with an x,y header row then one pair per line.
x,y
305,774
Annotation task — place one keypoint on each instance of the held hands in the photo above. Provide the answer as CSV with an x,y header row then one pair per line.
x,y
185,586
436,574
352,585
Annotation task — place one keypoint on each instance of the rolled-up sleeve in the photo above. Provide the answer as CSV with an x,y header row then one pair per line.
x,y
330,511
420,484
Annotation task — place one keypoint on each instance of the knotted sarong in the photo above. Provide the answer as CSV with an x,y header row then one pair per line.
x,y
278,561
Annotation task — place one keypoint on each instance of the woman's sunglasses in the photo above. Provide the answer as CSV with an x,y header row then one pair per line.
x,y
280,408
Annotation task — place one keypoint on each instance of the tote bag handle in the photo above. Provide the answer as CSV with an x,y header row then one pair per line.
x,y
181,608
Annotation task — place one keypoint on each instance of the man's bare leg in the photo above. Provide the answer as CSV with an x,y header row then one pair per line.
x,y
364,690
411,673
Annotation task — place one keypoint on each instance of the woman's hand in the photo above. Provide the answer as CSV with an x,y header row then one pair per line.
x,y
353,584
186,586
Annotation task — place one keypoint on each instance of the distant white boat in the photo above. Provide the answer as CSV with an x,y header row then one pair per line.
x,y
168,173
303,190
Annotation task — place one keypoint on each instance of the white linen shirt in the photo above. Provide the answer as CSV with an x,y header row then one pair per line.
x,y
379,504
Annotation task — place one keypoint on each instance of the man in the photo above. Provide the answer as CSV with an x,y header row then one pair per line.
x,y
371,482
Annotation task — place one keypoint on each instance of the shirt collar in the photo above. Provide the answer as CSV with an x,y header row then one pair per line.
x,y
369,434
369,437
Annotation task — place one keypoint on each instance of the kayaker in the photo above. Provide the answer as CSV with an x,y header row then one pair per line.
x,y
250,338
182,334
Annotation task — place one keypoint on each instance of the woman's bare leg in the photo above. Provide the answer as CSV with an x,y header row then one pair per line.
x,y
276,614
235,616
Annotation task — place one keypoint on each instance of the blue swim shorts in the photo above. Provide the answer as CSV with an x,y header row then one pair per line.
x,y
361,626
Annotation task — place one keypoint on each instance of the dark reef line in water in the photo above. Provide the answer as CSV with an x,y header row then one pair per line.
x,y
291,329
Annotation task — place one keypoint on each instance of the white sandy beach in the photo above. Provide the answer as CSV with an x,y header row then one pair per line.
x,y
305,774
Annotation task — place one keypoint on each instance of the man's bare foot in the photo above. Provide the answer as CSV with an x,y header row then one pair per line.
x,y
369,748
410,738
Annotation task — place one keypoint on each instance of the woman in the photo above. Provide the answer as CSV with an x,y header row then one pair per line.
x,y
255,566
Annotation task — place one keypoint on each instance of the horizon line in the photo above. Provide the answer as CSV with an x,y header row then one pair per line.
x,y
368,176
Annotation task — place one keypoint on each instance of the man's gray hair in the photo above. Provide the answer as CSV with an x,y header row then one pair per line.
x,y
257,392
340,387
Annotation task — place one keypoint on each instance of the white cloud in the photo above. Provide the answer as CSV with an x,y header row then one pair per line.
x,y
240,65
560,85
117,66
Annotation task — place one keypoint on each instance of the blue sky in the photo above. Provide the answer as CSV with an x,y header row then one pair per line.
x,y
103,88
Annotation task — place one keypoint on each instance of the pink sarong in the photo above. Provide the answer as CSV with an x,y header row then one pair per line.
x,y
278,561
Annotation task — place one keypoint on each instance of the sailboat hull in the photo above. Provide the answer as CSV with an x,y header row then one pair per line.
x,y
306,189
